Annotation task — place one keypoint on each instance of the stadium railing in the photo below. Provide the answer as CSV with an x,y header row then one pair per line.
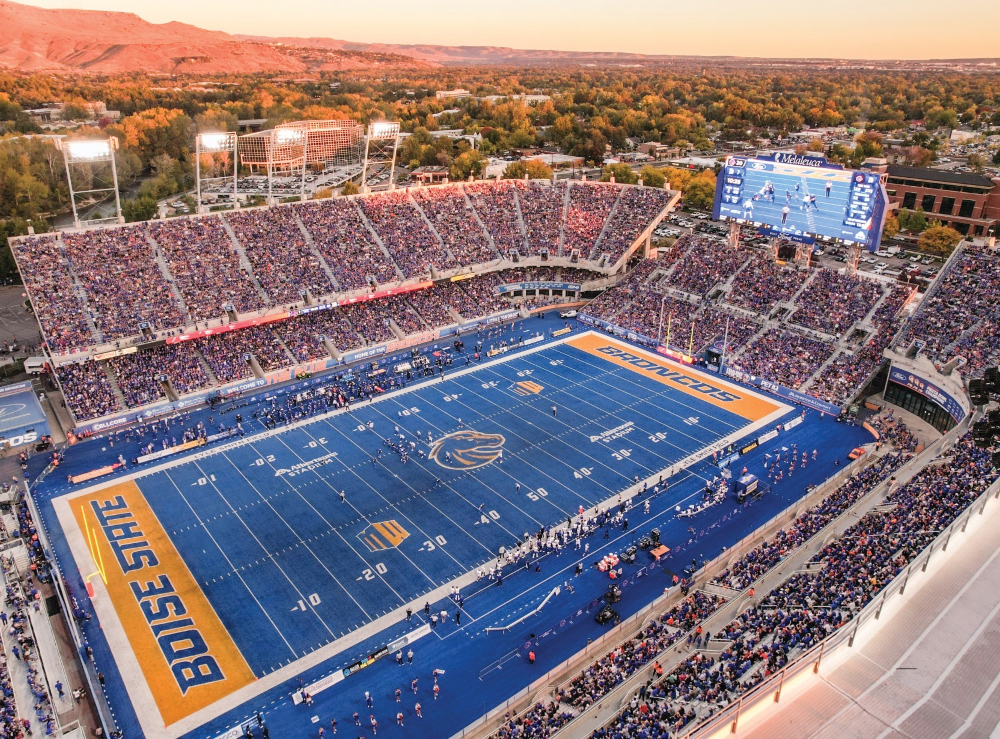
x,y
605,711
810,661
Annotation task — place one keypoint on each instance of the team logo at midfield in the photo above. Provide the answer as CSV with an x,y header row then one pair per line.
x,y
383,535
466,450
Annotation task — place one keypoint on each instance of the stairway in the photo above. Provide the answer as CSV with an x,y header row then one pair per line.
x,y
565,215
161,262
486,232
319,255
245,262
520,218
81,295
433,230
596,249
378,240
114,385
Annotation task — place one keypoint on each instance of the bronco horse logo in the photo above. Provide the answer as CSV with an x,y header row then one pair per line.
x,y
466,450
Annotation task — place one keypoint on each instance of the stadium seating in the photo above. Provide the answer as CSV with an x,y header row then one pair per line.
x,y
137,374
57,303
763,283
786,621
123,283
961,317
542,207
225,352
705,263
833,302
206,266
635,209
342,237
282,260
413,246
589,208
784,356
87,390
496,206
454,219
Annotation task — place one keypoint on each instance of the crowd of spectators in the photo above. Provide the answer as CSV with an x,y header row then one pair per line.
x,y
763,282
611,302
635,209
844,376
301,334
962,316
762,558
542,208
785,357
369,321
413,246
601,677
431,306
834,301
206,266
282,260
479,295
590,204
137,374
56,300
225,352
963,298
810,606
87,390
342,237
123,282
455,221
892,430
705,263
496,206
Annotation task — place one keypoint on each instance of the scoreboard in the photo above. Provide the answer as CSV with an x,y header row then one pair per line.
x,y
797,196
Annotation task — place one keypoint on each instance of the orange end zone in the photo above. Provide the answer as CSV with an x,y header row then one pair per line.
x,y
709,388
186,655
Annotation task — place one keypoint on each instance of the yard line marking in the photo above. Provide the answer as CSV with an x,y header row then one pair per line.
x,y
230,563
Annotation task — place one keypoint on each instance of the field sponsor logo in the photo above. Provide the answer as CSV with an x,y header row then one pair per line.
x,y
616,433
467,450
187,657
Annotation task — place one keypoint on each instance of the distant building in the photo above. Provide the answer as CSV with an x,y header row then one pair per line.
x,y
969,203
556,161
429,175
457,94
659,151
959,137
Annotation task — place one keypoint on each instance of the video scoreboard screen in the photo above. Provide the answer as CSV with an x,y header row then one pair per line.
x,y
798,196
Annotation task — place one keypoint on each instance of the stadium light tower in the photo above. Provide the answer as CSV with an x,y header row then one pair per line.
x,y
213,145
81,158
381,143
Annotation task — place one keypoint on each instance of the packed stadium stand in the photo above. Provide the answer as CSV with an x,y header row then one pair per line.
x,y
829,333
960,316
143,283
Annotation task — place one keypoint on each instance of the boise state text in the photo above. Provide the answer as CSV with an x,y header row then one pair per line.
x,y
180,641
692,383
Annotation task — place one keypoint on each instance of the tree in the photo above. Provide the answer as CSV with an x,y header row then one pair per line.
x,y
891,227
917,221
996,157
468,163
938,239
140,209
534,168
622,173
976,162
700,192
652,177
349,188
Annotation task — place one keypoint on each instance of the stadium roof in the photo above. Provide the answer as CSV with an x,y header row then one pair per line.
x,y
939,175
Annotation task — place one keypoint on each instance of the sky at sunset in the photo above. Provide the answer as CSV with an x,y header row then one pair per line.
x,y
906,29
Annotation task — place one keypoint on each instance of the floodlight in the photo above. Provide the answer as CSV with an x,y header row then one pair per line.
x,y
215,142
88,151
383,130
88,154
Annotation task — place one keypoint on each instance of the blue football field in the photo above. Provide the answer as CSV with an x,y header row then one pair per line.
x,y
308,541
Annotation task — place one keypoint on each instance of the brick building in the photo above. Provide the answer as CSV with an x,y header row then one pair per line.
x,y
969,203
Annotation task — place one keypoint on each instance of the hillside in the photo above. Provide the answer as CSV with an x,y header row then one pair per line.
x,y
98,42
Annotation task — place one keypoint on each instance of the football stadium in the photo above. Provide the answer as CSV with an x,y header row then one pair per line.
x,y
478,459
